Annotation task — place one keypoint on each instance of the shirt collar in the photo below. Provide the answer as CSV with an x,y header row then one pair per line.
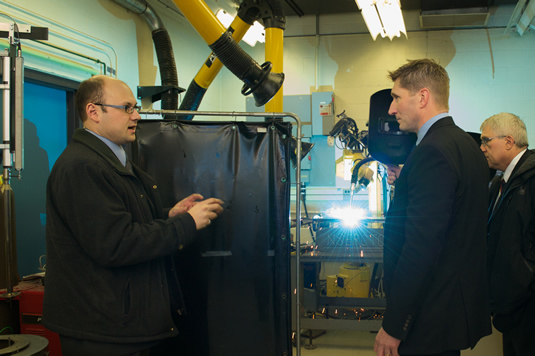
x,y
512,166
425,127
116,149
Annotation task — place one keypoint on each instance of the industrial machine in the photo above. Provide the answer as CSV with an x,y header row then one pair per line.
x,y
26,343
353,281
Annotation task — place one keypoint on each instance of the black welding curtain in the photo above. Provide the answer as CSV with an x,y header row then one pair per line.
x,y
236,278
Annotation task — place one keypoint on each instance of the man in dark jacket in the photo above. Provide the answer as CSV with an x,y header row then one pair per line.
x,y
434,251
511,232
110,288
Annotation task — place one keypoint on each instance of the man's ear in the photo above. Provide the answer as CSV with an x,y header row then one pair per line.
x,y
509,142
92,112
423,97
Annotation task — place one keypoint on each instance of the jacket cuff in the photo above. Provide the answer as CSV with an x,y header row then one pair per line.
x,y
186,230
397,325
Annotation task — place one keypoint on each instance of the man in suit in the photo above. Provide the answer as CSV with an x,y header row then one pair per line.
x,y
435,230
511,232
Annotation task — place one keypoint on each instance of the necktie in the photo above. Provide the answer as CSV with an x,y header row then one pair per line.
x,y
502,184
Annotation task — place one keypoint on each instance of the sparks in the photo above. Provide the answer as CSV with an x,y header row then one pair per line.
x,y
350,217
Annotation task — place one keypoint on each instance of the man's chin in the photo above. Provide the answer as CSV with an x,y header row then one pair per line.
x,y
129,139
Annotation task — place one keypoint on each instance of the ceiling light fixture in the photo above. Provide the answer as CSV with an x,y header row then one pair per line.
x,y
255,33
382,17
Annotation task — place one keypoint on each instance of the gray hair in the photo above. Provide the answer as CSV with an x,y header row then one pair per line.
x,y
508,124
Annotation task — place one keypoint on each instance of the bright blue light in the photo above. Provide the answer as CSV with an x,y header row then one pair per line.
x,y
350,217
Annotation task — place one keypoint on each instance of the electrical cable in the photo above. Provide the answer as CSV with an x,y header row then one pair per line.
x,y
7,327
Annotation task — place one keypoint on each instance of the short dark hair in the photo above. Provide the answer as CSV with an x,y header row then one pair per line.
x,y
90,91
424,73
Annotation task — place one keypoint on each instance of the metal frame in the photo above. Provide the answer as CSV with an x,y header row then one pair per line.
x,y
12,121
267,115
12,153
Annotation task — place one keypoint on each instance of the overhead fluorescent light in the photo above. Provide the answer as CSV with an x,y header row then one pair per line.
x,y
256,33
382,17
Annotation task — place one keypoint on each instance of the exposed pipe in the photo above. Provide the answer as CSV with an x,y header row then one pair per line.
x,y
9,79
63,61
259,80
211,67
163,46
141,7
274,24
271,14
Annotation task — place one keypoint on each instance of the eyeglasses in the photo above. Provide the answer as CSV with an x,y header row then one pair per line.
x,y
485,140
127,108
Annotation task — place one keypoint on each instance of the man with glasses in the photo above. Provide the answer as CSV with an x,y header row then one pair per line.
x,y
110,286
511,231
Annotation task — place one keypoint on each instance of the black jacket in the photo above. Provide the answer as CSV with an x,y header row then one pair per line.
x,y
108,270
511,238
435,245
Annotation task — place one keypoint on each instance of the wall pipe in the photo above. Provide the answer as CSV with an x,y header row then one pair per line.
x,y
274,26
59,60
8,79
141,7
164,49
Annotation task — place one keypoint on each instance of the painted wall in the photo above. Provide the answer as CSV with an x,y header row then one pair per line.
x,y
490,71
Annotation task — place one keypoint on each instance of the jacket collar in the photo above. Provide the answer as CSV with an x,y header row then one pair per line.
x,y
525,167
425,127
94,143
445,121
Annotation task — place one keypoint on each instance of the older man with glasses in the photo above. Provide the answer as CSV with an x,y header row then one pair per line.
x,y
110,285
511,231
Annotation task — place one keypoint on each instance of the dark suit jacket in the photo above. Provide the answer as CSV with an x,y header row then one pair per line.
x,y
435,244
511,247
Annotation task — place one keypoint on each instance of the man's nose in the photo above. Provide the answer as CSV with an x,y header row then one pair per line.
x,y
392,110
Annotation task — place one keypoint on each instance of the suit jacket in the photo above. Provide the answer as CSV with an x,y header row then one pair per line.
x,y
435,244
511,241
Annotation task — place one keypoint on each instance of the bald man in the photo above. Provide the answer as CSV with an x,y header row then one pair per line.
x,y
110,286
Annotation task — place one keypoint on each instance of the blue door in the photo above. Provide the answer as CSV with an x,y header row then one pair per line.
x,y
45,137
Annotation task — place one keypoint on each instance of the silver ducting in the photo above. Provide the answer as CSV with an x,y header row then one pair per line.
x,y
141,7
